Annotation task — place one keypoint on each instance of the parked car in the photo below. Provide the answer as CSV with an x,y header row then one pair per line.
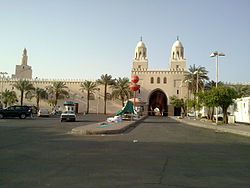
x,y
16,111
68,116
43,113
191,114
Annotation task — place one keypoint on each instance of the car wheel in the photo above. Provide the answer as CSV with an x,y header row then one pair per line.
x,y
22,116
73,119
1,116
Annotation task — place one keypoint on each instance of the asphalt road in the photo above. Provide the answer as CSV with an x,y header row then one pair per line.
x,y
159,152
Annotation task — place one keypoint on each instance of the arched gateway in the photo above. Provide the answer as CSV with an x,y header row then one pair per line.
x,y
158,99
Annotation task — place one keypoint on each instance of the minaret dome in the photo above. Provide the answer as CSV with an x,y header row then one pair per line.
x,y
177,51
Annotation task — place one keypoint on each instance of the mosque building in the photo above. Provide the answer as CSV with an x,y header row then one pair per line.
x,y
156,86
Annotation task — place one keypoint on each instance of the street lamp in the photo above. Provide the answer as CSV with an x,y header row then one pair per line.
x,y
197,89
217,54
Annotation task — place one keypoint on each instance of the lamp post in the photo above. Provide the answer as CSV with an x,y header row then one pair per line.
x,y
217,54
2,73
97,107
197,90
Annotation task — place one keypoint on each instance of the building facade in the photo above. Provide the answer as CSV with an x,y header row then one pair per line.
x,y
157,86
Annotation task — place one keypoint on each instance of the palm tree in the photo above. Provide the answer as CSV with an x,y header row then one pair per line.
x,y
8,97
191,77
105,80
23,86
90,87
242,90
211,84
38,93
57,91
121,89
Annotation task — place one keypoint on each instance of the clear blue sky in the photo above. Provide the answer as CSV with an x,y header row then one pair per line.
x,y
84,39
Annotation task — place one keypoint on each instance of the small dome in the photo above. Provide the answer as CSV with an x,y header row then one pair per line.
x,y
140,44
177,44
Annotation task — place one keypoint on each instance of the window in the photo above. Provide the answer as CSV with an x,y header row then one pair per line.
x,y
139,66
151,80
177,92
91,96
158,80
108,96
177,66
164,80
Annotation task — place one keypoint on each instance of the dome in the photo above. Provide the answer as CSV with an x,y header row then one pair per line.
x,y
140,44
177,44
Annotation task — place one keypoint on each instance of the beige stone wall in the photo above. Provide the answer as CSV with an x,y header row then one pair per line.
x,y
23,72
96,106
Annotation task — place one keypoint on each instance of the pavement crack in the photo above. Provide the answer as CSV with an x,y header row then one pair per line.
x,y
163,170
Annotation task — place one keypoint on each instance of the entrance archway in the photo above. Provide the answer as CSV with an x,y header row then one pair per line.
x,y
158,102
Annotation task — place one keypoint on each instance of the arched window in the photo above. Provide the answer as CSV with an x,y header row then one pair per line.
x,y
158,80
139,55
135,55
178,55
173,55
108,96
91,96
151,80
164,80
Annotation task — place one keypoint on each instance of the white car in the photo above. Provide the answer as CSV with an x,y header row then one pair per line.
x,y
43,113
191,114
220,117
68,116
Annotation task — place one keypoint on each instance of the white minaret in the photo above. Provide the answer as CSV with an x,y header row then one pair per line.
x,y
140,61
177,59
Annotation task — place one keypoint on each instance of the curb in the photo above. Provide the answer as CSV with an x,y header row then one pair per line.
x,y
92,128
216,128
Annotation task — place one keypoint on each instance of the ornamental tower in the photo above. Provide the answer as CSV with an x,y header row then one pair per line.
x,y
177,59
140,61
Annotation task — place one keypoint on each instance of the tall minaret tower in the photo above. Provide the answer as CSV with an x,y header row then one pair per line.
x,y
23,71
24,59
177,59
140,61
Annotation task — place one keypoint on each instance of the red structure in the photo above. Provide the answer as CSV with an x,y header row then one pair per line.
x,y
134,79
134,87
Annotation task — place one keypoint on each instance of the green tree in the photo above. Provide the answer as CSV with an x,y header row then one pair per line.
x,y
38,93
8,97
179,103
211,84
191,77
90,87
207,98
121,89
105,80
57,91
242,90
223,96
23,86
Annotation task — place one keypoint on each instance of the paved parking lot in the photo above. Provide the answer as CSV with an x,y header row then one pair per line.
x,y
160,152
